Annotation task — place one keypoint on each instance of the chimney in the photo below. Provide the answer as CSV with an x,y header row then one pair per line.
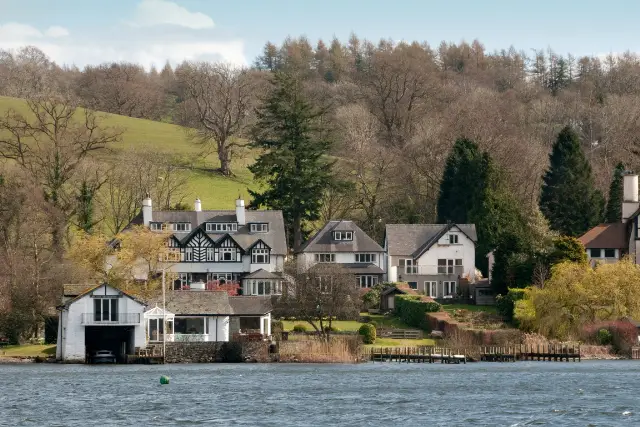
x,y
197,206
630,196
240,216
147,211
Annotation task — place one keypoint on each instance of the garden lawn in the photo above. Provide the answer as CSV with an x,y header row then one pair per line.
x,y
486,308
388,322
390,342
28,350
343,325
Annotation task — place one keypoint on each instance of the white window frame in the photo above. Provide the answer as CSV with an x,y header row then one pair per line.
x,y
181,227
188,254
367,280
343,235
214,227
259,227
408,265
366,258
110,314
449,288
211,254
256,253
325,258
449,266
431,288
453,239
157,226
231,251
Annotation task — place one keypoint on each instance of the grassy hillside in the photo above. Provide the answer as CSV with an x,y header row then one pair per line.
x,y
215,191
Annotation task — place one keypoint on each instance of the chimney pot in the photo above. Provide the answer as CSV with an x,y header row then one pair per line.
x,y
147,211
197,206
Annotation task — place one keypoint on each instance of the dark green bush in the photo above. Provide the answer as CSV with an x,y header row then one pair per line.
x,y
299,328
368,333
604,337
372,323
412,310
506,303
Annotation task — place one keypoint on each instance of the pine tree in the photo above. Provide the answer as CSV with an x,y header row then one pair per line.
x,y
293,164
569,199
84,211
614,204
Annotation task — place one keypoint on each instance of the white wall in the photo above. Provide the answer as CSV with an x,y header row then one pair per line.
x,y
218,325
465,250
308,258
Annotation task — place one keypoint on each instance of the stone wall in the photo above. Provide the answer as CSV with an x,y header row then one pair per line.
x,y
221,352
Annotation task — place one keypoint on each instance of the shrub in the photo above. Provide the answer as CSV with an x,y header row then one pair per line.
x,y
372,323
506,303
277,326
331,329
412,310
368,333
299,328
604,337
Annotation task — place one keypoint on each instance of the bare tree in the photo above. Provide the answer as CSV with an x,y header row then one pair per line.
x,y
318,294
219,102
50,143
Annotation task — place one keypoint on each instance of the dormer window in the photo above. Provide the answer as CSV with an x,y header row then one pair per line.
x,y
181,227
157,226
343,235
259,227
215,227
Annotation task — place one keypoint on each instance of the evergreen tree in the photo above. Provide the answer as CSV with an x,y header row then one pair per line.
x,y
293,163
614,205
569,199
84,210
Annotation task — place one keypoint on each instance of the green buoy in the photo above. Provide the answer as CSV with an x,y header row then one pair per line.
x,y
164,379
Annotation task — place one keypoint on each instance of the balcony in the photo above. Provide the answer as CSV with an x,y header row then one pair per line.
x,y
431,270
113,319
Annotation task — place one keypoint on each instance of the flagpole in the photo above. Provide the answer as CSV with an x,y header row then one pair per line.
x,y
164,319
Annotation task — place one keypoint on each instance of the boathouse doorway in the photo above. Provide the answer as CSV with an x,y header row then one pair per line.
x,y
117,339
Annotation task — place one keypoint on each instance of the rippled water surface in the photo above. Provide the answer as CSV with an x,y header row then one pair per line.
x,y
385,394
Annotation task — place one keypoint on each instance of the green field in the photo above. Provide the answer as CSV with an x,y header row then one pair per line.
x,y
215,191
28,350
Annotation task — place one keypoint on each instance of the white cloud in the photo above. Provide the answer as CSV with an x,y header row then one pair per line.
x,y
15,32
56,31
162,12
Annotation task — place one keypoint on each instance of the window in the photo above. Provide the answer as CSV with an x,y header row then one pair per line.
x,y
449,288
188,254
609,253
366,258
367,281
413,285
431,289
222,277
408,265
213,227
343,235
181,226
453,239
325,257
450,266
227,254
596,253
182,281
259,227
260,256
211,254
157,226
265,287
105,309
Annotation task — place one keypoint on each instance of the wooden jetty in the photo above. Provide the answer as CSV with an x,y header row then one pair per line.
x,y
417,355
510,353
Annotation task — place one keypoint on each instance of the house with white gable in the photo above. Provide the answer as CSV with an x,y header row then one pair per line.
x,y
431,258
247,247
93,318
343,242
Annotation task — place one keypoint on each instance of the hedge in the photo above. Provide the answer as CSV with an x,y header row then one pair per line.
x,y
412,310
506,303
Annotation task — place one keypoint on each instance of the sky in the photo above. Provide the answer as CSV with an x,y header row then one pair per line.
x,y
151,32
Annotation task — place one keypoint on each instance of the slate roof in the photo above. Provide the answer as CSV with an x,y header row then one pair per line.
x,y
275,238
90,288
415,239
362,268
251,305
606,236
323,241
261,274
195,303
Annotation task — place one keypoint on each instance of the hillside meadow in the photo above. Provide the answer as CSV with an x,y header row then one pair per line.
x,y
215,190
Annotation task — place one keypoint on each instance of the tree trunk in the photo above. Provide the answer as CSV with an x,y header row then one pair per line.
x,y
224,155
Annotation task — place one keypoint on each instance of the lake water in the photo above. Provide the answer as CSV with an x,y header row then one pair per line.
x,y
594,393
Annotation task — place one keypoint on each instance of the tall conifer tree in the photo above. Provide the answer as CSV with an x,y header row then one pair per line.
x,y
569,199
293,163
614,204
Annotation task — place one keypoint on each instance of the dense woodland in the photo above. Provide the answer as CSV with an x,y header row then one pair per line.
x,y
403,133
